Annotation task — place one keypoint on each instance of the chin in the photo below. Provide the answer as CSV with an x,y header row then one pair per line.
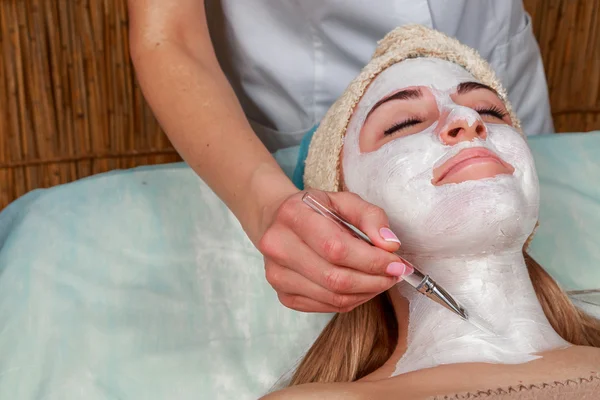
x,y
470,218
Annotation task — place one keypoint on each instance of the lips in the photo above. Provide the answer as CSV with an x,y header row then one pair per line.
x,y
467,157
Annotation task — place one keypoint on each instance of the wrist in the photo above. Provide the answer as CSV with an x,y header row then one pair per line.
x,y
268,187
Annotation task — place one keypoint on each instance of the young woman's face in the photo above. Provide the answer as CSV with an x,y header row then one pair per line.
x,y
436,149
413,109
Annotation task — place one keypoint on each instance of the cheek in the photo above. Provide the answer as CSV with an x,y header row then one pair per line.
x,y
514,149
397,172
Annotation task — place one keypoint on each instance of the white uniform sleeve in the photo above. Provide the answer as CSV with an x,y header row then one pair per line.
x,y
524,78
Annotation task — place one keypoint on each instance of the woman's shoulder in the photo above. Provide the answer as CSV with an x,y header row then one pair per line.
x,y
571,373
573,364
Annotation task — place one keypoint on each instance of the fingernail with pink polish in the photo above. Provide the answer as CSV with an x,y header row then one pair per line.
x,y
388,235
408,271
396,269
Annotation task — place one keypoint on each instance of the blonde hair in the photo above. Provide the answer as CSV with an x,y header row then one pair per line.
x,y
356,343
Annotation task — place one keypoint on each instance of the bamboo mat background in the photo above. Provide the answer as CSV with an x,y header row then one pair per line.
x,y
568,33
70,106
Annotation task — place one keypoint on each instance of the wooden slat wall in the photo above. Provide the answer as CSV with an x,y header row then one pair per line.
x,y
568,32
70,107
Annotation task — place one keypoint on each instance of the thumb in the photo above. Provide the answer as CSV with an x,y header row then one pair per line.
x,y
367,217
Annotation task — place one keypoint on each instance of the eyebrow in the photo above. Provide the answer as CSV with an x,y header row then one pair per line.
x,y
406,94
467,87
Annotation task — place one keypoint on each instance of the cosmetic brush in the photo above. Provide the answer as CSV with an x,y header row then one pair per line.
x,y
423,283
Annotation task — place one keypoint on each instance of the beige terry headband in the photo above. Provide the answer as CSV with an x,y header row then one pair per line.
x,y
323,167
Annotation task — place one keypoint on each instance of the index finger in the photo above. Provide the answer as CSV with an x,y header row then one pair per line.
x,y
368,218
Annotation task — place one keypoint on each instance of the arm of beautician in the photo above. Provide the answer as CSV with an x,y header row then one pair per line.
x,y
189,94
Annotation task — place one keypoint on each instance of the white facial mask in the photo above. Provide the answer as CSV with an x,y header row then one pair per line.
x,y
465,235
454,219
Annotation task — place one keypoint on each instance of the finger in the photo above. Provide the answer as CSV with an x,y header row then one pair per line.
x,y
305,304
339,247
336,245
367,217
296,255
287,281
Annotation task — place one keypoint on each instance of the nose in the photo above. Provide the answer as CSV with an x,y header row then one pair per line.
x,y
463,129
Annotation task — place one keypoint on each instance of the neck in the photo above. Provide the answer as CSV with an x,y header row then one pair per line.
x,y
495,288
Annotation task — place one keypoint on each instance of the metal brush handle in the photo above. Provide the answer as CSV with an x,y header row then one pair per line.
x,y
417,279
421,282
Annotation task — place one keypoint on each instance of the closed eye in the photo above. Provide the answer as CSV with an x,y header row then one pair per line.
x,y
402,125
493,111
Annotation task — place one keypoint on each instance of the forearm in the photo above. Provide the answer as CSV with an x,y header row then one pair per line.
x,y
202,117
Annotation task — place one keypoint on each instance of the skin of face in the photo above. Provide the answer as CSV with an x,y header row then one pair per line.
x,y
412,109
436,150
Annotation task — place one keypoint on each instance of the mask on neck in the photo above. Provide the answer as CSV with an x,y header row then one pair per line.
x,y
473,217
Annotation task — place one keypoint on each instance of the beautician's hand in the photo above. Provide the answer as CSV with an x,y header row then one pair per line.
x,y
309,262
316,266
